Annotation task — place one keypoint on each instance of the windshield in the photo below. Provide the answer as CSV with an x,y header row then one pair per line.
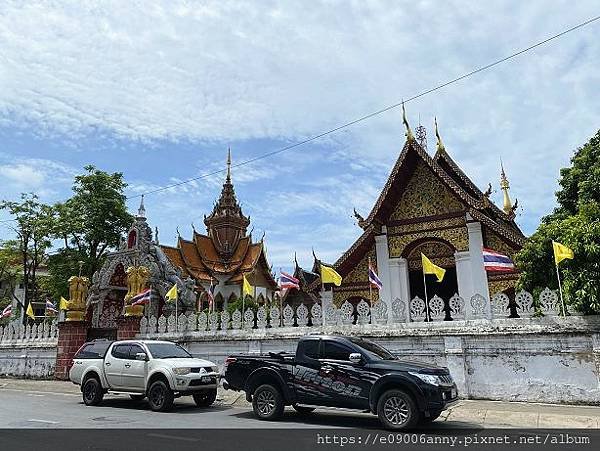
x,y
167,351
373,350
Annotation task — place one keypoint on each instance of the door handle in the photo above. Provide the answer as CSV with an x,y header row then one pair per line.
x,y
127,365
107,363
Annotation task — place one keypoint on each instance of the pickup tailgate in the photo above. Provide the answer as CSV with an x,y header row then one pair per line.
x,y
239,367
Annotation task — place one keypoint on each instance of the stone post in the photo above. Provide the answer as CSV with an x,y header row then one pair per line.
x,y
71,336
464,279
400,285
478,274
128,327
383,269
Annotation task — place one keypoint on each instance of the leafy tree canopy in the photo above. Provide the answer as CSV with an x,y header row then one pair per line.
x,y
575,223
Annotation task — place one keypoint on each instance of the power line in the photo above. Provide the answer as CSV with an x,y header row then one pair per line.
x,y
378,112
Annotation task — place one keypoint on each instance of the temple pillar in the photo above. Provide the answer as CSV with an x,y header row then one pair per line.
x,y
383,268
478,274
399,283
71,336
464,278
326,300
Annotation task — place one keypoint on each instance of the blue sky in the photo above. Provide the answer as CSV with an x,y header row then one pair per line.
x,y
159,90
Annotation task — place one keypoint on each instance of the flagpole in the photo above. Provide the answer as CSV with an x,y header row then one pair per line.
x,y
562,301
176,317
426,300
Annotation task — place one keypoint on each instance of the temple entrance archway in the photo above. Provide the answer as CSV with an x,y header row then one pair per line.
x,y
441,253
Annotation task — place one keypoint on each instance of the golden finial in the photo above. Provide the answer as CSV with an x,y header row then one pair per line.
x,y
440,144
507,205
409,134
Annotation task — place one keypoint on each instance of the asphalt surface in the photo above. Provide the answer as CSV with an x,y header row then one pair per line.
x,y
27,409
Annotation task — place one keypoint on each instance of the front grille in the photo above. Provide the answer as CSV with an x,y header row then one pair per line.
x,y
208,369
446,379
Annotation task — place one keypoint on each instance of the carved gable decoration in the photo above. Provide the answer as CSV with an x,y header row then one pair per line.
x,y
424,196
360,272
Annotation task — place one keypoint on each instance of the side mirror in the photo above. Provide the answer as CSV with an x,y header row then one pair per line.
x,y
141,356
355,357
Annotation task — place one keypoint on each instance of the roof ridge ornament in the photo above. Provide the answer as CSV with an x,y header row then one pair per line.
x,y
409,134
142,209
228,179
440,144
507,205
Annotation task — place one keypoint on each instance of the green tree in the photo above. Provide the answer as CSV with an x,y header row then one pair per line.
x,y
88,225
575,223
10,274
34,225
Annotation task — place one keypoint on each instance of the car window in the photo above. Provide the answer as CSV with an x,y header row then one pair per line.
x,y
335,351
167,351
133,350
373,350
309,348
94,350
120,351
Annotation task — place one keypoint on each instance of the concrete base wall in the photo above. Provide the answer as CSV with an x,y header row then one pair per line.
x,y
28,361
538,360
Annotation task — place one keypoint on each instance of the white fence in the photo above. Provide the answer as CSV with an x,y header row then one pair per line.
x,y
16,333
415,310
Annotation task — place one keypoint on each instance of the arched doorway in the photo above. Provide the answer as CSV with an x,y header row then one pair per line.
x,y
440,253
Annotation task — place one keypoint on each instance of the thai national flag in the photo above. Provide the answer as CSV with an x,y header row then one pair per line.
x,y
494,261
142,298
6,312
211,294
288,281
50,307
374,279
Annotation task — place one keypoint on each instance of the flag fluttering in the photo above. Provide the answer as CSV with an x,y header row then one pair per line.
x,y
50,307
63,304
430,268
171,294
495,261
561,252
143,297
247,289
6,312
330,275
288,281
29,311
210,294
374,278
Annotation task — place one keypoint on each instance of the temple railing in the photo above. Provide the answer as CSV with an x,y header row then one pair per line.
x,y
15,333
402,311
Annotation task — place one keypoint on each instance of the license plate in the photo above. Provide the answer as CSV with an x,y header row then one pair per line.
x,y
207,379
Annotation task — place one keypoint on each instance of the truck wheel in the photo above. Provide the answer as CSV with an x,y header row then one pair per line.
x,y
92,392
205,398
397,410
303,410
160,396
267,403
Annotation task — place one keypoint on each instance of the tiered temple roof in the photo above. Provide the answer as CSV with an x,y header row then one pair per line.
x,y
226,251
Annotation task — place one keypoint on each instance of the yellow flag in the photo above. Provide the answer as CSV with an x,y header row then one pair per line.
x,y
29,311
247,288
330,275
172,294
430,268
561,252
63,304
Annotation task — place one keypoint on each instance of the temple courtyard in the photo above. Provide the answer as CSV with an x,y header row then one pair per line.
x,y
57,404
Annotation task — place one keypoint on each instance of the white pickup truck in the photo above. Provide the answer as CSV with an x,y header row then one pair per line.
x,y
159,370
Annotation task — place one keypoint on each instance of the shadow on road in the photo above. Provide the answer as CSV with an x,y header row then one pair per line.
x,y
178,407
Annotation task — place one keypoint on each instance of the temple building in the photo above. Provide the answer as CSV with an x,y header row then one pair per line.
x,y
428,205
225,253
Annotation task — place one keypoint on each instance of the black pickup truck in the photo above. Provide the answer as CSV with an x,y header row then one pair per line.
x,y
346,372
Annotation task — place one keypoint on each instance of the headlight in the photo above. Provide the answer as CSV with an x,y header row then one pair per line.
x,y
427,378
181,371
214,369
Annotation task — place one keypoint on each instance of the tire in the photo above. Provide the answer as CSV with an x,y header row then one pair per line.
x,y
397,410
137,397
433,415
205,398
303,410
160,396
267,403
92,392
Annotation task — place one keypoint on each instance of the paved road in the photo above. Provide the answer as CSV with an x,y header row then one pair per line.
x,y
23,409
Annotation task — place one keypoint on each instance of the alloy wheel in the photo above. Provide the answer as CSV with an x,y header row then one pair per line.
x,y
265,401
396,410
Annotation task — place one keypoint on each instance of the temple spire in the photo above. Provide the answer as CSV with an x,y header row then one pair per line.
x,y
507,205
409,134
440,144
141,210
229,165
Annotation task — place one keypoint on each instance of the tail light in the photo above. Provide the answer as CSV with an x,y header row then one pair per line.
x,y
229,360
